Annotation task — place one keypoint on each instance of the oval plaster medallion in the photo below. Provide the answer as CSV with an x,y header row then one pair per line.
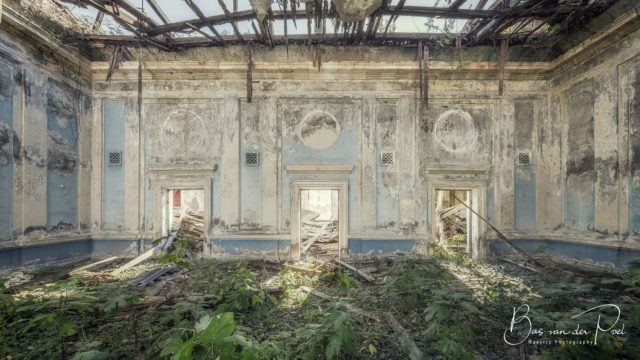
x,y
319,130
183,132
455,131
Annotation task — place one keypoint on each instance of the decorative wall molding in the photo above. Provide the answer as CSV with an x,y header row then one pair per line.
x,y
319,169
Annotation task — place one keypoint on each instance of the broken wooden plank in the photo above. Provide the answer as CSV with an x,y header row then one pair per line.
x,y
97,23
361,273
502,237
310,242
94,264
134,262
405,339
150,276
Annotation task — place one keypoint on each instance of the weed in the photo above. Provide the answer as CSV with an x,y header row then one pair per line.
x,y
334,336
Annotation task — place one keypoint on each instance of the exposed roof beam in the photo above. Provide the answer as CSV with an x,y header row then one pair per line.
x,y
418,11
97,23
392,38
133,10
230,18
127,22
194,24
158,10
456,4
279,15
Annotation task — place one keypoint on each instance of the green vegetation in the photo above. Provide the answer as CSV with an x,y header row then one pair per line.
x,y
451,307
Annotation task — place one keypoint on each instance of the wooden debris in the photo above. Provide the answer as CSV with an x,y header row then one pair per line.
x,y
249,74
504,238
405,339
311,241
361,273
150,276
92,265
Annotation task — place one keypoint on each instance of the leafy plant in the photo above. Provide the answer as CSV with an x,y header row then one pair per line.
x,y
334,336
339,277
241,292
184,249
450,332
56,313
215,337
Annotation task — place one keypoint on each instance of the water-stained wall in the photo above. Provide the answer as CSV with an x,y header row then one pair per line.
x,y
552,162
9,147
45,156
63,131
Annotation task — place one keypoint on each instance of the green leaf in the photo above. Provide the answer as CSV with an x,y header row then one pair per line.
x,y
184,352
114,304
333,349
172,347
372,349
203,323
220,327
469,307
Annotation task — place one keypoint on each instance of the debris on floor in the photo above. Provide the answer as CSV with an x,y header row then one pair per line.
x,y
319,237
397,307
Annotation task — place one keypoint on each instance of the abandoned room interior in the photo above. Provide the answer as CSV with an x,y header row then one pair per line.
x,y
311,179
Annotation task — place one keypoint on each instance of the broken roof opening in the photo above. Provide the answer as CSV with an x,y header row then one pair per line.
x,y
174,25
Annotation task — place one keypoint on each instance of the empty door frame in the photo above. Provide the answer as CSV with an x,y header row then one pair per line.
x,y
343,198
477,198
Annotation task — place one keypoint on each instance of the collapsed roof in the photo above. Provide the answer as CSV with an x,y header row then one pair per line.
x,y
177,24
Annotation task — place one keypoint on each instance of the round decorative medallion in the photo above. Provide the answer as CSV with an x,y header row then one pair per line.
x,y
183,132
455,131
319,130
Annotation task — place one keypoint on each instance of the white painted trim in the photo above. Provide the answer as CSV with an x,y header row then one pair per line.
x,y
343,225
319,169
164,178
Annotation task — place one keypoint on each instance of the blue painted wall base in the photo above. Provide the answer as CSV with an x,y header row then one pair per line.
x,y
617,257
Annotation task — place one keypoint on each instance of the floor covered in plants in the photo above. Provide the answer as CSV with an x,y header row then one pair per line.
x,y
443,306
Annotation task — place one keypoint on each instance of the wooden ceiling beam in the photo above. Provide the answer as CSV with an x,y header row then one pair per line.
x,y
417,11
456,4
158,10
201,17
133,10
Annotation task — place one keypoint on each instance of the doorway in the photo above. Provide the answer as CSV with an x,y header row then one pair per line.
x,y
453,220
319,222
184,210
318,219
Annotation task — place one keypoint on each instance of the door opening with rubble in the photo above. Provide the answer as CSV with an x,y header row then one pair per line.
x,y
184,210
319,222
454,221
319,219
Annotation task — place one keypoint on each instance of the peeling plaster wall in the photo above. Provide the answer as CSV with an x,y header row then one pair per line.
x,y
579,121
571,192
9,143
45,157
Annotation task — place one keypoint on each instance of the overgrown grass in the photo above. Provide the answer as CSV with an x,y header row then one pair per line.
x,y
453,309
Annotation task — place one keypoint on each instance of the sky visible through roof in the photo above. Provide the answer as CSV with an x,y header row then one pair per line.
x,y
177,10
